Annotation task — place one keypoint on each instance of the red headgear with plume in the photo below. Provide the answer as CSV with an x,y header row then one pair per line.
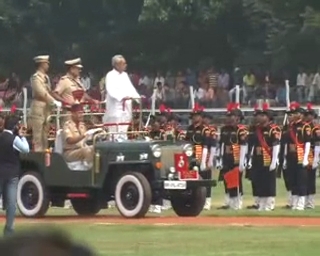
x,y
13,109
294,105
309,106
164,109
230,107
265,106
197,108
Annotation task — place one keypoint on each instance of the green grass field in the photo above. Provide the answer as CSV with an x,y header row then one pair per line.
x,y
122,240
193,240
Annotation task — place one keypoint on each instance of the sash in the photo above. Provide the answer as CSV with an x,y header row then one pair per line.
x,y
263,143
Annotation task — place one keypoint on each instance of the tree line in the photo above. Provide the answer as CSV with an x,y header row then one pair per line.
x,y
161,34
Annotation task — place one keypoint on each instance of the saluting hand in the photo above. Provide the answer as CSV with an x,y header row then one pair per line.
x,y
22,131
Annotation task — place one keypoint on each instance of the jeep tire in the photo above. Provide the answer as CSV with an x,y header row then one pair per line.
x,y
32,197
86,206
133,195
188,203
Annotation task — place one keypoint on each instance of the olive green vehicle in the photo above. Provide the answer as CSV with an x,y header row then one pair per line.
x,y
133,173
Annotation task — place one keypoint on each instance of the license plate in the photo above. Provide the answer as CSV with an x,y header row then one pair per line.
x,y
175,184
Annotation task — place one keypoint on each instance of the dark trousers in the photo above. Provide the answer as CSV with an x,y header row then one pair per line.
x,y
207,175
287,179
254,188
311,181
299,180
264,182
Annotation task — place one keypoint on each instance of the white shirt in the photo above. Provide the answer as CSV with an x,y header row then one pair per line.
x,y
118,87
316,80
200,93
158,79
301,79
159,95
145,80
86,82
20,144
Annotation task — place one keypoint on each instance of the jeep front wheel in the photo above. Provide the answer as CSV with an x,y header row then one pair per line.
x,y
133,195
86,206
32,198
189,203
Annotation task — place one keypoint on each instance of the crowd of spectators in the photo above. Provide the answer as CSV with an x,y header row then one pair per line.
x,y
212,88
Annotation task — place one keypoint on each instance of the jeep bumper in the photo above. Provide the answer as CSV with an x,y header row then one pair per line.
x,y
182,185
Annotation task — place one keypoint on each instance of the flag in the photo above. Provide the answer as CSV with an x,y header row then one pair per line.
x,y
232,178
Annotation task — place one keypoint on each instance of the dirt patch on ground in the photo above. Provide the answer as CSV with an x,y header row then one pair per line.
x,y
168,221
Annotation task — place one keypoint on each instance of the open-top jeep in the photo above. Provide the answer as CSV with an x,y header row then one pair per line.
x,y
134,173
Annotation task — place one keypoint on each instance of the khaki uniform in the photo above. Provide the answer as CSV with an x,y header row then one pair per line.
x,y
40,109
79,151
66,86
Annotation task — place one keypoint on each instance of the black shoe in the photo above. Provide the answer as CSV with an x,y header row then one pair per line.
x,y
287,207
224,207
253,207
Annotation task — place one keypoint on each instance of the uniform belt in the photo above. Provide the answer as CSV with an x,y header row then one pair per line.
x,y
36,99
70,149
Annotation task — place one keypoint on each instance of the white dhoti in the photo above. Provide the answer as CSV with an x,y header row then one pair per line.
x,y
118,132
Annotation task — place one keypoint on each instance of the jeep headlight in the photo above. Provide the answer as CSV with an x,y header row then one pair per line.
x,y
156,151
188,150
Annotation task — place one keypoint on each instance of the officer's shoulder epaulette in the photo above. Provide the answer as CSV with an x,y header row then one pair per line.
x,y
64,77
35,76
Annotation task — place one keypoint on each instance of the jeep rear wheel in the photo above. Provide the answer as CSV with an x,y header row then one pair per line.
x,y
133,195
86,206
32,198
189,203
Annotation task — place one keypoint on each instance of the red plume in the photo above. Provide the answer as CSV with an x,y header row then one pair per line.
x,y
265,106
13,109
230,107
162,108
294,105
236,105
309,106
168,110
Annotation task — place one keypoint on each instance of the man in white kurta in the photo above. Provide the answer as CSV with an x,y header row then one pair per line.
x,y
119,92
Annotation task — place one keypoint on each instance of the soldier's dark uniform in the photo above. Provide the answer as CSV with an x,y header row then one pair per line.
x,y
251,135
264,140
285,171
297,140
199,135
313,158
231,139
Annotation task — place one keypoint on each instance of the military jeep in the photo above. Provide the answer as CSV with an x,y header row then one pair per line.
x,y
133,173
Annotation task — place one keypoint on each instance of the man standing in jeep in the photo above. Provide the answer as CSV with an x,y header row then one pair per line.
x,y
119,95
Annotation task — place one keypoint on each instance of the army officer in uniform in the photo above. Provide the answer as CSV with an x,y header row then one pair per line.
x,y
71,82
42,103
74,136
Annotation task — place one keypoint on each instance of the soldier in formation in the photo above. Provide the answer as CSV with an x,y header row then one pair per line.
x,y
231,156
266,147
200,136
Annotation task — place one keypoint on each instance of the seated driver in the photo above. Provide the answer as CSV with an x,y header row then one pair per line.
x,y
74,137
